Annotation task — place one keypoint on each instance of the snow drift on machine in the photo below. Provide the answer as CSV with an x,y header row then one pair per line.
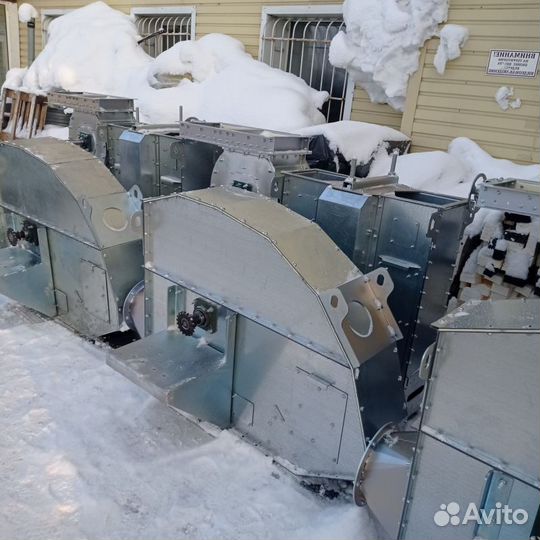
x,y
95,49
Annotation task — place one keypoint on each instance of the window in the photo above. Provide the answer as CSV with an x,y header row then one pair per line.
x,y
170,26
297,40
47,16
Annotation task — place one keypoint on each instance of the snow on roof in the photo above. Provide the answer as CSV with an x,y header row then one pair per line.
x,y
95,49
381,46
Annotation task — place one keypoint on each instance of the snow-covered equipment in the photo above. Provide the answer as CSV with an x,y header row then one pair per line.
x,y
188,155
256,320
500,256
472,469
415,235
71,234
91,114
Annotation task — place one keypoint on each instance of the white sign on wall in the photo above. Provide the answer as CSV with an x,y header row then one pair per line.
x,y
513,63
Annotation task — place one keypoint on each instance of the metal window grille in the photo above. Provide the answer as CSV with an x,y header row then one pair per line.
x,y
177,28
300,45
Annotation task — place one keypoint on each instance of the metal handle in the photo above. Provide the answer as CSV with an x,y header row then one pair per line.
x,y
473,193
425,362
398,263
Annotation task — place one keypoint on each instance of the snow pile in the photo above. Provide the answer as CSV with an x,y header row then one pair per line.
x,y
477,160
14,78
453,38
381,46
87,454
452,172
429,171
224,83
91,49
27,12
355,140
502,97
485,217
94,49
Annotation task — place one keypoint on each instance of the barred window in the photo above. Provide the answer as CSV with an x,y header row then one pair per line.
x,y
300,44
168,30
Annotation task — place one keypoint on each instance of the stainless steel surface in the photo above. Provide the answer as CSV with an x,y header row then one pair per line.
x,y
300,406
517,315
158,162
91,114
413,234
25,274
510,195
253,160
310,338
90,233
249,140
383,474
180,372
288,283
488,404
133,308
479,434
444,475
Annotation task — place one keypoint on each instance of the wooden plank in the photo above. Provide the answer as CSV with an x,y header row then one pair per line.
x,y
30,124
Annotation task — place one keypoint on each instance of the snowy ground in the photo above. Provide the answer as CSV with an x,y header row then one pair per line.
x,y
86,454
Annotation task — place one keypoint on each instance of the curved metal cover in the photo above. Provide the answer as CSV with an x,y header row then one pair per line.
x,y
58,185
383,475
260,259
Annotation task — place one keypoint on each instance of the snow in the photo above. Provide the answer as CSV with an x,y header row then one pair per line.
x,y
84,453
484,217
219,80
429,171
453,38
381,46
478,160
517,264
27,12
502,97
355,140
14,78
452,172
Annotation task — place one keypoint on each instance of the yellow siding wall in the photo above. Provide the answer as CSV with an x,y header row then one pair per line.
x,y
376,113
238,18
461,102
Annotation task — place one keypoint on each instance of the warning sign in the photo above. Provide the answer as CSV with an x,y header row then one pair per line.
x,y
513,63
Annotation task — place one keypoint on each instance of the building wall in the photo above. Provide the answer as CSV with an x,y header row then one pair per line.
x,y
238,18
461,102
